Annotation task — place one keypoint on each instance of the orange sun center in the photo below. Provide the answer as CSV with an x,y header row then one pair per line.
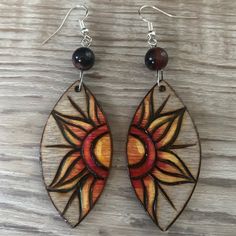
x,y
136,150
102,150
141,152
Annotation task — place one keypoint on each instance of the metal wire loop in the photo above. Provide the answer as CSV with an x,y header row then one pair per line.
x,y
80,81
159,77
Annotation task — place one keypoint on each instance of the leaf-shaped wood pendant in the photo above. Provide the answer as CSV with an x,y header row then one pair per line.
x,y
76,152
164,155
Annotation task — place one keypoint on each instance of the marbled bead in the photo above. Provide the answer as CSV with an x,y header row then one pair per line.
x,y
156,58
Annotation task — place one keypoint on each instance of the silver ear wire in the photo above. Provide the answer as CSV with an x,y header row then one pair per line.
x,y
87,40
152,41
159,77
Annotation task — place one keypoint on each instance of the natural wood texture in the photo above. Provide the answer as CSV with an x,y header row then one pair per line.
x,y
76,153
201,69
163,152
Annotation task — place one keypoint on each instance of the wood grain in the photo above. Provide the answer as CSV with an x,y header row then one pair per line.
x,y
164,155
201,70
76,153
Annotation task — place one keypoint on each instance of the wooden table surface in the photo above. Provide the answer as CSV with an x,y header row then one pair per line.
x,y
201,69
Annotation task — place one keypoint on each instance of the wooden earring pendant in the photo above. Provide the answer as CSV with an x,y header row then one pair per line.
x,y
163,147
76,145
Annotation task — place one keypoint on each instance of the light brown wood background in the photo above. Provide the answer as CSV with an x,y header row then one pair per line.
x,y
202,69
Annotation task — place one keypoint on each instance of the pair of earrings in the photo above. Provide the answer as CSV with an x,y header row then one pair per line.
x,y
163,147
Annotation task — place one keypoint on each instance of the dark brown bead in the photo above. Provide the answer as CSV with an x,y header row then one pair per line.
x,y
156,59
83,58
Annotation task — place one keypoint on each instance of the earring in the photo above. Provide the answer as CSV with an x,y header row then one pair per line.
x,y
76,146
163,146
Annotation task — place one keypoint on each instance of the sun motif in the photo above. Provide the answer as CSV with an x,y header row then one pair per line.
x,y
152,161
84,169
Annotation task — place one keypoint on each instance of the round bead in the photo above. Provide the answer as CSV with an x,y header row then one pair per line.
x,y
156,59
83,58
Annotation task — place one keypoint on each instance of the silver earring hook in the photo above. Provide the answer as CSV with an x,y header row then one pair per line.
x,y
150,25
152,41
87,39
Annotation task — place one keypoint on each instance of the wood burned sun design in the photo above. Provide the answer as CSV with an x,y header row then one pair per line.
x,y
84,169
151,157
